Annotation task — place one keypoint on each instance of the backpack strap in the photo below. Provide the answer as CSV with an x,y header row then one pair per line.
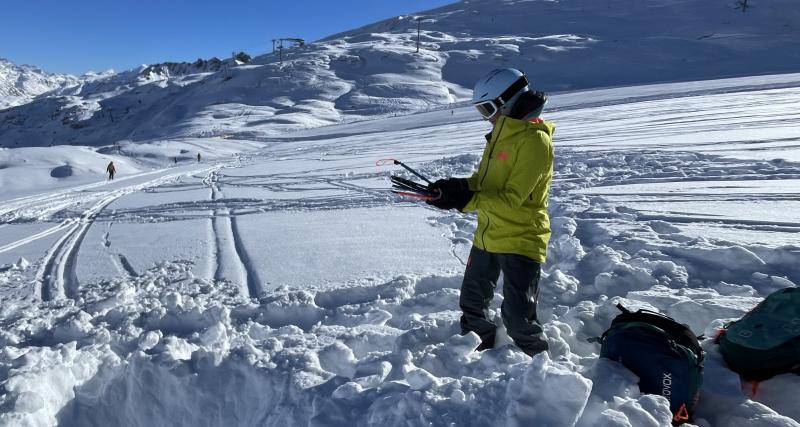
x,y
623,309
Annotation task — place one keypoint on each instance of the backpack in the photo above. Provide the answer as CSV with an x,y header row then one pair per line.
x,y
766,341
664,354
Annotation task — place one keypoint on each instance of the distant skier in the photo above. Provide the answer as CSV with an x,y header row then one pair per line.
x,y
111,170
176,160
198,157
510,192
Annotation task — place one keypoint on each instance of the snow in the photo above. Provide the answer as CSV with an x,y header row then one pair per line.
x,y
20,84
376,71
278,281
284,285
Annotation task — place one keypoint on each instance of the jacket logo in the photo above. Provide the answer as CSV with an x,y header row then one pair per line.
x,y
502,156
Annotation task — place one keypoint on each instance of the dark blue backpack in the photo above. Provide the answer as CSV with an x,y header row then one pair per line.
x,y
664,354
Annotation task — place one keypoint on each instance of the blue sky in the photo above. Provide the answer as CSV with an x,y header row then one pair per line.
x,y
75,36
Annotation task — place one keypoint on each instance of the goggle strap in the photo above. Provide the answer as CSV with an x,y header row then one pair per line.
x,y
512,90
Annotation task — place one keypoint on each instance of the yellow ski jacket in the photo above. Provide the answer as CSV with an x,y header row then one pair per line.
x,y
511,188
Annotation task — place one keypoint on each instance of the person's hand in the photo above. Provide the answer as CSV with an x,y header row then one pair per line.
x,y
441,200
454,193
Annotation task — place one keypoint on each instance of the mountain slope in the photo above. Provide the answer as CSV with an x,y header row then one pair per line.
x,y
376,71
289,287
19,84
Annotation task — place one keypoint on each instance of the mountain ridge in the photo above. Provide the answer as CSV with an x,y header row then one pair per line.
x,y
375,70
22,83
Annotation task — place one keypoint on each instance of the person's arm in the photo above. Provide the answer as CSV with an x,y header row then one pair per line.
x,y
532,162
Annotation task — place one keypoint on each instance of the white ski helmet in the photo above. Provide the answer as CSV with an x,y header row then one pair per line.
x,y
497,88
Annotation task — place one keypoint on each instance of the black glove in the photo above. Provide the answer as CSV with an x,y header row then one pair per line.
x,y
454,193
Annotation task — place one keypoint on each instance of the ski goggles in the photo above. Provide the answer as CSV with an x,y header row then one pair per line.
x,y
489,108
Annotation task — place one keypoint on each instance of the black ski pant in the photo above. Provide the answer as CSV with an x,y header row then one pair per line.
x,y
520,291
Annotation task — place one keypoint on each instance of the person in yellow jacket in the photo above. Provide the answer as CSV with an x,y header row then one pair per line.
x,y
510,192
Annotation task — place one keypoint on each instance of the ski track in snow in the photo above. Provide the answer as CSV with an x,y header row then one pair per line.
x,y
37,236
57,276
253,281
680,171
232,262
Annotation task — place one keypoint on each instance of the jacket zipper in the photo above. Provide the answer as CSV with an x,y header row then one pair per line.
x,y
491,151
485,173
483,235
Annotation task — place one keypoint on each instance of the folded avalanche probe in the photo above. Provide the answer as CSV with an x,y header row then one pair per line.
x,y
408,188
405,187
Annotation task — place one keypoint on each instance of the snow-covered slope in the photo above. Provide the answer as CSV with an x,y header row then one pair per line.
x,y
19,84
375,70
289,287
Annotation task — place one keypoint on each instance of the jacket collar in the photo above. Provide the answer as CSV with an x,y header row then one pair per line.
x,y
510,126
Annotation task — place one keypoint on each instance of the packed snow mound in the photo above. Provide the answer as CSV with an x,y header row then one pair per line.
x,y
20,84
166,347
376,71
198,353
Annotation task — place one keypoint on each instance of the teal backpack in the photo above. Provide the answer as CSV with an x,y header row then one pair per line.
x,y
766,341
